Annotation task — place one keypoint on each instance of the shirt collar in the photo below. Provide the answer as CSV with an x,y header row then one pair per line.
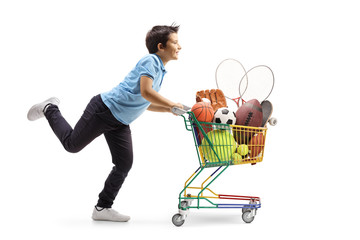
x,y
162,64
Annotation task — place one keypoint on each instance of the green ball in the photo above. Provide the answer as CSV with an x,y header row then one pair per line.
x,y
223,143
243,149
237,158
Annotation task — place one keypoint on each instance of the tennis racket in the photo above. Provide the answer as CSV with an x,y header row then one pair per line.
x,y
229,74
257,83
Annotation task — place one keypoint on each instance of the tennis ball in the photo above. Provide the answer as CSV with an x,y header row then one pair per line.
x,y
224,145
237,158
243,149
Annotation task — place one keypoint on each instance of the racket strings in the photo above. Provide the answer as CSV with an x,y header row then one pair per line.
x,y
228,74
256,83
259,83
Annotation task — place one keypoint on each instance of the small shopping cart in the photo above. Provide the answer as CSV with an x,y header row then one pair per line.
x,y
219,146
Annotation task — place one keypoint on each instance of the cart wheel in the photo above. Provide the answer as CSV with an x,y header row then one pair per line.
x,y
246,210
177,220
184,204
247,217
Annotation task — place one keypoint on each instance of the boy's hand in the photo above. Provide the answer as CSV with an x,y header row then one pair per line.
x,y
216,97
178,105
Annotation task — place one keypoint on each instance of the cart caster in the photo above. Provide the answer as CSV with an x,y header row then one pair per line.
x,y
248,216
178,220
184,204
246,210
252,202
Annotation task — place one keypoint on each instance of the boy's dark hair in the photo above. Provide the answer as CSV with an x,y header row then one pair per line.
x,y
159,34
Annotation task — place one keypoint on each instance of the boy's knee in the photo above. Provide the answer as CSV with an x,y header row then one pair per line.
x,y
72,149
121,171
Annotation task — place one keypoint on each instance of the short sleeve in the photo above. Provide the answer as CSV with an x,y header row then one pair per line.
x,y
148,67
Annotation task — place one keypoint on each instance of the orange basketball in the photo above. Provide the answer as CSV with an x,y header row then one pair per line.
x,y
203,112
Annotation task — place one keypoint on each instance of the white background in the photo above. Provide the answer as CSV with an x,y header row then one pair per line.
x,y
308,181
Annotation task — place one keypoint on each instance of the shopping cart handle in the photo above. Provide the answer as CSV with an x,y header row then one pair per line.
x,y
179,111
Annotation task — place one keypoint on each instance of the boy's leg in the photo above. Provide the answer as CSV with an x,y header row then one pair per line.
x,y
86,130
120,144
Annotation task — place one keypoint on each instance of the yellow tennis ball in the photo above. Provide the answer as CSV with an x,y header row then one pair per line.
x,y
237,158
243,149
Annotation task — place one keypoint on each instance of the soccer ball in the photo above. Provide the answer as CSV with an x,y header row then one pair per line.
x,y
225,116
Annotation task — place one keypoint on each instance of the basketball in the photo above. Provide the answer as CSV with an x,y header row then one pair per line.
x,y
203,112
256,145
250,114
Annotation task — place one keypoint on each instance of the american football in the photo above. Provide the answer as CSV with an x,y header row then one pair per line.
x,y
249,114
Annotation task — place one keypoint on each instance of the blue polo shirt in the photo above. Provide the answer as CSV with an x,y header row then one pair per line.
x,y
125,101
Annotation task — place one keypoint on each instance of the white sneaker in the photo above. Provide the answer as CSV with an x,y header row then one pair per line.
x,y
37,111
108,214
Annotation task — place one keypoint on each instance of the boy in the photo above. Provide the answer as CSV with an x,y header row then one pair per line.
x,y
110,113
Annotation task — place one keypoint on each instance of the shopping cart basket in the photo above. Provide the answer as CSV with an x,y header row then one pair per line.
x,y
219,146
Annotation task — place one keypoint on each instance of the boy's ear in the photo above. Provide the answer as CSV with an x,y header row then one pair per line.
x,y
160,46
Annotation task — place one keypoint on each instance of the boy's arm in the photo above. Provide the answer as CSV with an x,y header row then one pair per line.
x,y
158,102
157,108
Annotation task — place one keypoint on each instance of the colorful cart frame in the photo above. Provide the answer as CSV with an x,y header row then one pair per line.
x,y
221,146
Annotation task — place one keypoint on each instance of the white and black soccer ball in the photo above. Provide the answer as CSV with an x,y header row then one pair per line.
x,y
225,116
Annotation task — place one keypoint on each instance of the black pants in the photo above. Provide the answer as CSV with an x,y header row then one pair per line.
x,y
96,120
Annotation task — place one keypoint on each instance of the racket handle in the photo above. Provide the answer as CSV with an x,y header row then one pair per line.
x,y
179,111
273,121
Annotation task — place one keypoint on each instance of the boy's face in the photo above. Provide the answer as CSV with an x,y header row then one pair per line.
x,y
171,51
